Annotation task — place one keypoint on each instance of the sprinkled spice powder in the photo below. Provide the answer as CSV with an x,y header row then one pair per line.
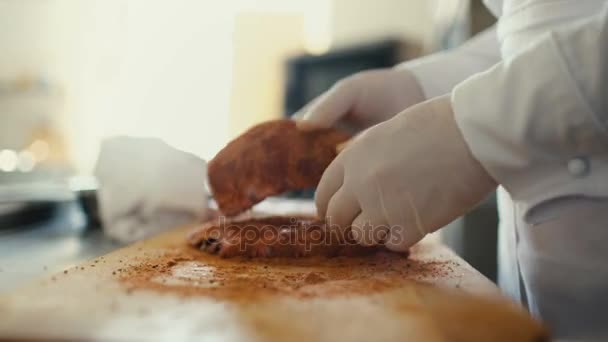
x,y
185,271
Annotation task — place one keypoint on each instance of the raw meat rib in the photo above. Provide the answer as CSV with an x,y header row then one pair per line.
x,y
275,236
269,159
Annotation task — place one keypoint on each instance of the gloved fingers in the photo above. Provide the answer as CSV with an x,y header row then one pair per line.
x,y
300,114
330,182
342,209
402,236
407,228
368,232
330,107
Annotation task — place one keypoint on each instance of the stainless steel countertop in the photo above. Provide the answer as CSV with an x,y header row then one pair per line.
x,y
64,241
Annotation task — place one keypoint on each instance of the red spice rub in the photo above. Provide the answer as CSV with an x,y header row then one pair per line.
x,y
275,236
269,159
186,272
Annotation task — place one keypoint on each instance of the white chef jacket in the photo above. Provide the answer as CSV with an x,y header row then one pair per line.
x,y
535,114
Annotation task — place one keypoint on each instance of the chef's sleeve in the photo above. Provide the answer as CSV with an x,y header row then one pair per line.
x,y
538,122
438,73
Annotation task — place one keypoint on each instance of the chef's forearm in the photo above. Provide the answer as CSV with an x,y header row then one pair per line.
x,y
439,73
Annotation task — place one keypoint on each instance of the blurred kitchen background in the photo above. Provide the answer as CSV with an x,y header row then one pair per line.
x,y
194,73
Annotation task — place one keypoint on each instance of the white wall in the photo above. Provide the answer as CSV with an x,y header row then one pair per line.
x,y
356,21
22,38
269,31
140,67
165,68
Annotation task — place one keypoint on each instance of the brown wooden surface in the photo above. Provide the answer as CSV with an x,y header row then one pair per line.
x,y
162,289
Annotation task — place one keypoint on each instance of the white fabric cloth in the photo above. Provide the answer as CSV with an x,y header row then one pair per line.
x,y
147,186
523,21
438,73
537,122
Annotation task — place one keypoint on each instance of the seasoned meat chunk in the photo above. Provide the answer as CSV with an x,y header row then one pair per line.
x,y
275,236
269,159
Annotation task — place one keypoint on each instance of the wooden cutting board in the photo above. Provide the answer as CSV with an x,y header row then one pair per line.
x,y
162,289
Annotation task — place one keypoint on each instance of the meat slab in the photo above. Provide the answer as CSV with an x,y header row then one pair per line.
x,y
269,159
275,236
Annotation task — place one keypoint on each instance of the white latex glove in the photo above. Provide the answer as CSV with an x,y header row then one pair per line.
x,y
362,100
147,186
403,178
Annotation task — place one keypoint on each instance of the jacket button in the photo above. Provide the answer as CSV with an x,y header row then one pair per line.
x,y
578,167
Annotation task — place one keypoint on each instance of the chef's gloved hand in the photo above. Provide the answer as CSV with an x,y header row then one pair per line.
x,y
362,100
147,186
403,178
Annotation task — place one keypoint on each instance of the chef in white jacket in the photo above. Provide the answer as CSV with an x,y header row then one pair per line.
x,y
524,107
